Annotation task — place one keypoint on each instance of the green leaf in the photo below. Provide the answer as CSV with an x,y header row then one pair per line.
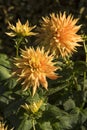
x,y
57,126
46,126
69,104
83,128
34,98
5,67
83,115
56,89
4,100
4,61
7,85
85,84
13,107
4,73
25,124
54,111
80,66
78,97
10,83
65,122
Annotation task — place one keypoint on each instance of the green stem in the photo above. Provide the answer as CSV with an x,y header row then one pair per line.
x,y
85,48
34,125
17,50
85,75
18,42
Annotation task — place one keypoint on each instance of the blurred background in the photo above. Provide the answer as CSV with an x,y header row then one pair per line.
x,y
33,10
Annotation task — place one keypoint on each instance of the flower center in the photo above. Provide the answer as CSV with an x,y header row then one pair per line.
x,y
34,64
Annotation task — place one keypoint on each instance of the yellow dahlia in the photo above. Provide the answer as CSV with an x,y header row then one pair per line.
x,y
20,29
34,107
33,67
58,33
3,127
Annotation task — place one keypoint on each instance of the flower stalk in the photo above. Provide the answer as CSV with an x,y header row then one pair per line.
x,y
18,42
34,125
85,48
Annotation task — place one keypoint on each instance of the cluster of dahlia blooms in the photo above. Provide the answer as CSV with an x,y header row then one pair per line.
x,y
56,36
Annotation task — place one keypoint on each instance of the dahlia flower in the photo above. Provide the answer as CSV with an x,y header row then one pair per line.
x,y
3,127
59,34
34,107
20,30
33,67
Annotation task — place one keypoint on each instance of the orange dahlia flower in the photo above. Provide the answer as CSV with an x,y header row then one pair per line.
x,y
33,67
58,33
20,29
